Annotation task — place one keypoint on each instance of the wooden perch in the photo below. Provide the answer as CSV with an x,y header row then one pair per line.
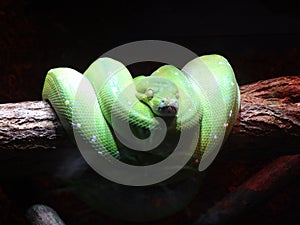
x,y
269,120
29,125
269,108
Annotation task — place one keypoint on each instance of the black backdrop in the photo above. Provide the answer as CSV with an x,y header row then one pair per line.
x,y
260,38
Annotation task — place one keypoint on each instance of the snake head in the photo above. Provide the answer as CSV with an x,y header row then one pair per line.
x,y
160,94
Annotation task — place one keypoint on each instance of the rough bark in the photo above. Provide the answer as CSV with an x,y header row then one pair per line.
x,y
269,119
269,109
28,125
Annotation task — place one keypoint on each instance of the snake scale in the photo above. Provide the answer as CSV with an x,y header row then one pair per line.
x,y
204,93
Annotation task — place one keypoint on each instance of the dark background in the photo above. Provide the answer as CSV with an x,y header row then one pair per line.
x,y
260,38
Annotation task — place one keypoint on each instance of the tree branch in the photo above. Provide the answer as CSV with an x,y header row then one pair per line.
x,y
29,125
269,109
269,119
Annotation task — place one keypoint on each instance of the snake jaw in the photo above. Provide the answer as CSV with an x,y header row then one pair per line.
x,y
167,108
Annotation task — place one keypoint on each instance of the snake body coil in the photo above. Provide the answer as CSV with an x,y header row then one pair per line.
x,y
204,94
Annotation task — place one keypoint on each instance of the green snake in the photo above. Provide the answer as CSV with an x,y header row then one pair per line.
x,y
203,94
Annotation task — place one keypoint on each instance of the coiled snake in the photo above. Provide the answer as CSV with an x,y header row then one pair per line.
x,y
204,94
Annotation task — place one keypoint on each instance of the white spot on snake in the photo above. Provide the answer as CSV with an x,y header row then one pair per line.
x,y
176,73
225,124
67,102
190,110
215,136
100,152
78,125
114,89
221,62
93,139
129,102
230,113
232,83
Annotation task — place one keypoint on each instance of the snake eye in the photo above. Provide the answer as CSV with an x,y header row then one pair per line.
x,y
149,93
